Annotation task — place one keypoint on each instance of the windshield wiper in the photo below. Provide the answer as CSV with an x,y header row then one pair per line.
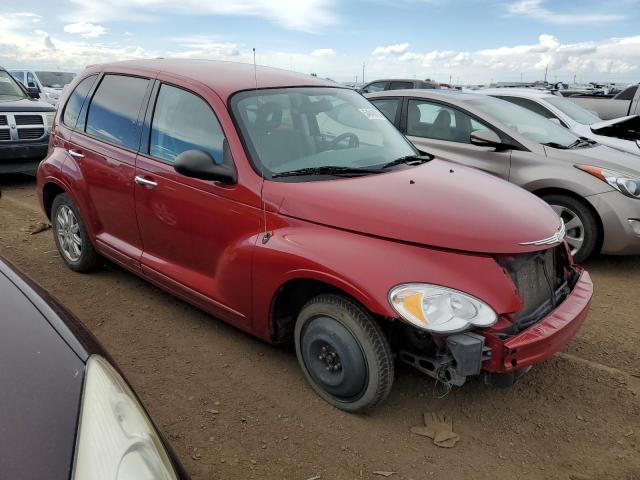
x,y
409,160
581,142
326,170
556,145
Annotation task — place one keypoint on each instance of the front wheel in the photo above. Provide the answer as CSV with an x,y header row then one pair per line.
x,y
580,224
343,353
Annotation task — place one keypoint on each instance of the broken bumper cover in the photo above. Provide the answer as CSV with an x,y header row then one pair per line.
x,y
547,337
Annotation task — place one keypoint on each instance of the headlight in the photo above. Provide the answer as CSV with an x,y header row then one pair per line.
x,y
52,96
440,309
49,118
626,185
116,440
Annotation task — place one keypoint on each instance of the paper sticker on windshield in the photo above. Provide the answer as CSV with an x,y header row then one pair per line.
x,y
371,113
5,80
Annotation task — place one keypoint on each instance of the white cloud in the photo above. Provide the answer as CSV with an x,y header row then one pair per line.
x,y
304,15
536,9
397,49
86,30
323,52
609,59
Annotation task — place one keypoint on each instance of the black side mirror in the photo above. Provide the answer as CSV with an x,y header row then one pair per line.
x,y
33,92
199,164
486,138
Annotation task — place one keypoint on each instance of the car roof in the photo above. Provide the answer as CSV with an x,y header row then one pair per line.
x,y
455,96
225,78
516,92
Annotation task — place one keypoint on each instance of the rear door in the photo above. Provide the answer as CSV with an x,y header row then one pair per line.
x,y
103,148
194,231
444,130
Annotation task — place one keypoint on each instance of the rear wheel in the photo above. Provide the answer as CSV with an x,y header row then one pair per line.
x,y
343,353
71,236
580,224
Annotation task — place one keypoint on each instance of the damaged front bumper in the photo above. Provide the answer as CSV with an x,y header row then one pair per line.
x,y
545,338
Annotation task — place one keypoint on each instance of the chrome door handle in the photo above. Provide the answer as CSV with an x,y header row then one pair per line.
x,y
75,153
145,182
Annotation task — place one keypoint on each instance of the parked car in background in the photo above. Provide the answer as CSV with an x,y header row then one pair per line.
x,y
396,84
593,188
621,133
623,104
66,410
267,206
25,122
50,84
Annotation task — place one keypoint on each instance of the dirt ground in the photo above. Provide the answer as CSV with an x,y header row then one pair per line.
x,y
234,407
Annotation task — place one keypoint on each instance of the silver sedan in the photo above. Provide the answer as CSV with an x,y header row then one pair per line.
x,y
595,189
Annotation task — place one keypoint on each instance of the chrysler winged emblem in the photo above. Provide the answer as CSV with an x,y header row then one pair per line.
x,y
555,238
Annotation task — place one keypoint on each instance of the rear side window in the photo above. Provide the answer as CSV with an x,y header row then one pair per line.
x,y
400,85
76,99
183,121
388,107
31,81
113,112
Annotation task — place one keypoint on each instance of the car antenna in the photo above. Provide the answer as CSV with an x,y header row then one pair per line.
x,y
266,235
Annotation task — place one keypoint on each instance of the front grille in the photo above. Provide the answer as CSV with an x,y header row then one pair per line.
x,y
5,134
29,120
3,120
30,133
543,280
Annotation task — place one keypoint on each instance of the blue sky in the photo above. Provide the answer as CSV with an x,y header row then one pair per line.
x,y
471,40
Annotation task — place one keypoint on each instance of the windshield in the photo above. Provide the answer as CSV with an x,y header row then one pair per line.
x,y
528,124
55,79
308,128
9,88
573,110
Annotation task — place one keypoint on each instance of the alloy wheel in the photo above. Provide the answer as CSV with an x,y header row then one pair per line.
x,y
68,232
573,226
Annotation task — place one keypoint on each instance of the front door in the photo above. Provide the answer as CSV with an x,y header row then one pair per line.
x,y
196,235
444,131
104,149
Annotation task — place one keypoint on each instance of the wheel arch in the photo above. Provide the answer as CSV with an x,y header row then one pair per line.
x,y
50,191
542,192
292,294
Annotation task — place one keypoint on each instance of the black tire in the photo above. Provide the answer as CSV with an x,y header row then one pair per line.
x,y
88,259
589,224
355,370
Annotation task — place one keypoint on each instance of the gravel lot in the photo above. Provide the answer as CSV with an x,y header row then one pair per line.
x,y
236,408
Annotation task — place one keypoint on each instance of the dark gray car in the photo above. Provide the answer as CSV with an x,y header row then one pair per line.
x,y
595,189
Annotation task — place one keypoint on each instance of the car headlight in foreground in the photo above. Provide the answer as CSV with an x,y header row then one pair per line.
x,y
439,309
116,440
625,184
50,116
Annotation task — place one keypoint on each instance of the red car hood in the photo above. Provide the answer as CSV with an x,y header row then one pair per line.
x,y
438,204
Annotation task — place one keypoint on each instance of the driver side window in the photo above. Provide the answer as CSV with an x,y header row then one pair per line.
x,y
440,122
183,121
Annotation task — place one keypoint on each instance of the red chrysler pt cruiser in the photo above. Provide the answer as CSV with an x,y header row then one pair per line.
x,y
291,208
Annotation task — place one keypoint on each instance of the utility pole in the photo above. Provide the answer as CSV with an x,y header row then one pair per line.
x,y
362,72
546,70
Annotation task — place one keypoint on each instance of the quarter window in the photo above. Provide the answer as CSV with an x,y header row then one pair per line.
x,y
113,112
31,81
440,122
183,121
76,100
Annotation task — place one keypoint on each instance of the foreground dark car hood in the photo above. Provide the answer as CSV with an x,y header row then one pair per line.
x,y
25,105
438,204
40,389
